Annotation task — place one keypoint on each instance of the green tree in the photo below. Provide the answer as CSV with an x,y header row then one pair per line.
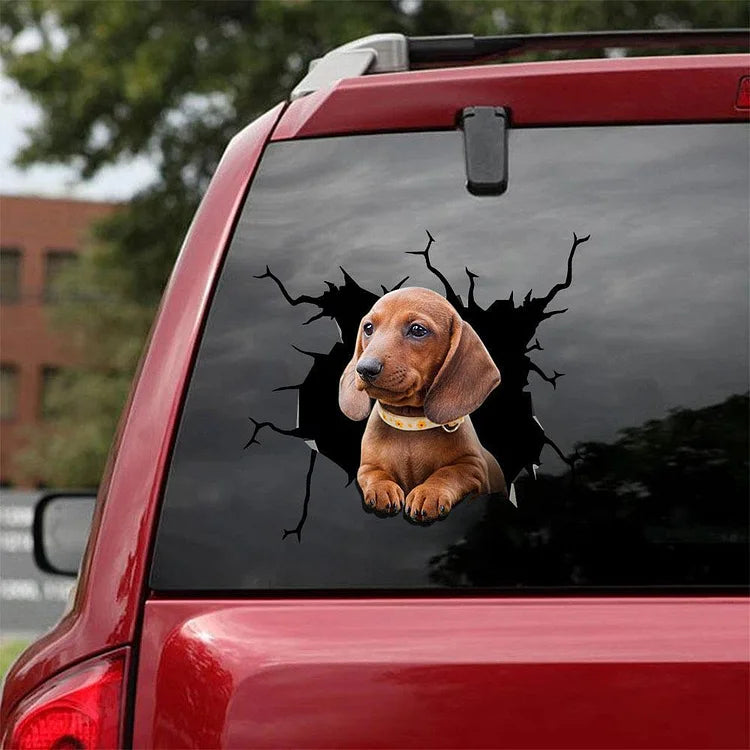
x,y
666,497
174,80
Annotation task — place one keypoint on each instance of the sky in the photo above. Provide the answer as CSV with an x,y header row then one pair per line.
x,y
118,182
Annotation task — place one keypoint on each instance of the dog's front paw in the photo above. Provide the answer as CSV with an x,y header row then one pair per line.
x,y
384,496
428,502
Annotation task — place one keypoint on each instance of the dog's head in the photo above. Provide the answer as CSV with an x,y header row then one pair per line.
x,y
413,349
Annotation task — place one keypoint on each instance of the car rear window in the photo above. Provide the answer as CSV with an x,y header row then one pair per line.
x,y
620,423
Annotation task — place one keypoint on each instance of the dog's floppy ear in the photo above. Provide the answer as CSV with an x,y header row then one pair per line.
x,y
353,400
465,379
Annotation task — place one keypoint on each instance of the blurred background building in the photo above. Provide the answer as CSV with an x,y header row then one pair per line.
x,y
40,239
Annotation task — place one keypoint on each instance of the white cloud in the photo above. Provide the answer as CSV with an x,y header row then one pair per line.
x,y
118,182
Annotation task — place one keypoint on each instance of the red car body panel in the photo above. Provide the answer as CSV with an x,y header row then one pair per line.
x,y
110,591
578,672
519,673
575,92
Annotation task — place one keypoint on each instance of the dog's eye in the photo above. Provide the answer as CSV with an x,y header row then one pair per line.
x,y
417,331
368,329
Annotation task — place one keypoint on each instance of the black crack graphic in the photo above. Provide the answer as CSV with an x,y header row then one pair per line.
x,y
505,423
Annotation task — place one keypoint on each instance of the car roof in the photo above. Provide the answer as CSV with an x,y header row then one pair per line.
x,y
632,90
392,53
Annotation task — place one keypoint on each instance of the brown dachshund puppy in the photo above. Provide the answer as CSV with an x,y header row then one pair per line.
x,y
428,370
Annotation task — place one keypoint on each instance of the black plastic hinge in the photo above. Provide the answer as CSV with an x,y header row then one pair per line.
x,y
486,148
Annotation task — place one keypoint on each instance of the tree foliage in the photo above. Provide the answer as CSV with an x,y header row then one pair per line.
x,y
666,499
174,81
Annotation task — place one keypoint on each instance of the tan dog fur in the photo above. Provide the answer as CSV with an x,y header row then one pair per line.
x,y
443,375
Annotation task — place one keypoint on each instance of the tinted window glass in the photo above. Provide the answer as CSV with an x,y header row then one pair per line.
x,y
8,391
10,275
52,383
56,264
620,424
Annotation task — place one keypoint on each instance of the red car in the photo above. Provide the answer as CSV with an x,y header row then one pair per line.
x,y
270,567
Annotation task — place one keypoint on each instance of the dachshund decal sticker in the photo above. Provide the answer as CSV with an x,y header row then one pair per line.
x,y
427,370
424,399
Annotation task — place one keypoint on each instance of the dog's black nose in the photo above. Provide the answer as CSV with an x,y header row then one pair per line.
x,y
369,368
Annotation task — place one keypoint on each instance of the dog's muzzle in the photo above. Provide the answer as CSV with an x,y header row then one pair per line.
x,y
369,368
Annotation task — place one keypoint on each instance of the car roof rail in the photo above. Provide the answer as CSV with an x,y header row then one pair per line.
x,y
392,53
377,53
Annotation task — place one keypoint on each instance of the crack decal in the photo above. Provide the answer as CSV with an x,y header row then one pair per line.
x,y
505,422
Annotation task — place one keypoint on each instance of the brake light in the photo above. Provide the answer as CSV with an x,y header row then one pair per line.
x,y
743,94
79,709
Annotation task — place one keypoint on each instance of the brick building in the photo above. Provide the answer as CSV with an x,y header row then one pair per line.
x,y
39,237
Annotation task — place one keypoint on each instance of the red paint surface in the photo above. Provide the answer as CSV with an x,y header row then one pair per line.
x,y
576,92
522,673
111,585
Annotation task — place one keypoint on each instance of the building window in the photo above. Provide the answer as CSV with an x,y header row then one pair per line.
x,y
8,391
48,406
10,275
56,264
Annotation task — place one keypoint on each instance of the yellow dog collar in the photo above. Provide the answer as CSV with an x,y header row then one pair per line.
x,y
415,424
